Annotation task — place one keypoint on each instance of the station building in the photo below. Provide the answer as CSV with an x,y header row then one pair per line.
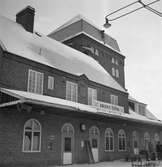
x,y
63,98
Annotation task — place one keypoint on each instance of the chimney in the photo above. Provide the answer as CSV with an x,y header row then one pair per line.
x,y
26,18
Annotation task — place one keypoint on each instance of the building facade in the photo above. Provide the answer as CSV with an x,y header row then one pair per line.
x,y
64,105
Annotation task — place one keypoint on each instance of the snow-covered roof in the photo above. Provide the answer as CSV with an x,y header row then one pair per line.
x,y
135,100
27,97
15,39
74,20
110,42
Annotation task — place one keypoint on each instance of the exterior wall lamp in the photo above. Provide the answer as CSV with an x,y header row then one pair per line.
x,y
107,20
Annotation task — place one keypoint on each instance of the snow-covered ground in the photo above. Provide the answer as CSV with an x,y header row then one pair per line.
x,y
107,164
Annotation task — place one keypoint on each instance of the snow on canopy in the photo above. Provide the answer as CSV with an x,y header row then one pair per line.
x,y
15,39
28,97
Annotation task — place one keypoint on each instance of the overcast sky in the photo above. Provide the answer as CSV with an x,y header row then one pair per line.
x,y
139,36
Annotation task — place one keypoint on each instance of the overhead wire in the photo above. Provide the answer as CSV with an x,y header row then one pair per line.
x,y
147,6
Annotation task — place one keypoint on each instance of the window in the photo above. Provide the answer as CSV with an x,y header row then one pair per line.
x,y
32,136
113,71
156,138
113,60
146,140
117,73
109,140
50,82
114,99
35,82
116,62
132,105
96,52
71,91
135,139
92,95
141,109
121,140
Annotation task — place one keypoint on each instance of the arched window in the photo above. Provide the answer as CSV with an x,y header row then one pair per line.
x,y
146,140
67,129
121,140
135,139
94,131
109,140
32,136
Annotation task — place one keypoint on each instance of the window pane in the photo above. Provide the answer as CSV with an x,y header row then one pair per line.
x,y
135,144
113,60
123,144
27,141
120,144
67,145
113,71
36,125
71,91
111,143
94,143
35,82
31,81
39,83
117,73
36,141
28,125
107,143
92,95
50,82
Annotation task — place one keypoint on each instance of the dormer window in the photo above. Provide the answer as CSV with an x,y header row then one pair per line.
x,y
141,109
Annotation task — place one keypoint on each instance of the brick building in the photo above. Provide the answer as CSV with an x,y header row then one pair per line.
x,y
64,104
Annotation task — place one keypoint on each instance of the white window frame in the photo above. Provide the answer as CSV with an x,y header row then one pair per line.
x,y
32,131
113,71
122,135
96,52
117,73
113,60
109,131
72,85
35,81
92,95
114,99
51,81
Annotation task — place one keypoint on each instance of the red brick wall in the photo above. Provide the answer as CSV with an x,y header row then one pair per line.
x,y
15,76
105,55
11,136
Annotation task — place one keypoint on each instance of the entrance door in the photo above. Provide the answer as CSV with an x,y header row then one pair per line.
x,y
95,149
67,144
94,140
